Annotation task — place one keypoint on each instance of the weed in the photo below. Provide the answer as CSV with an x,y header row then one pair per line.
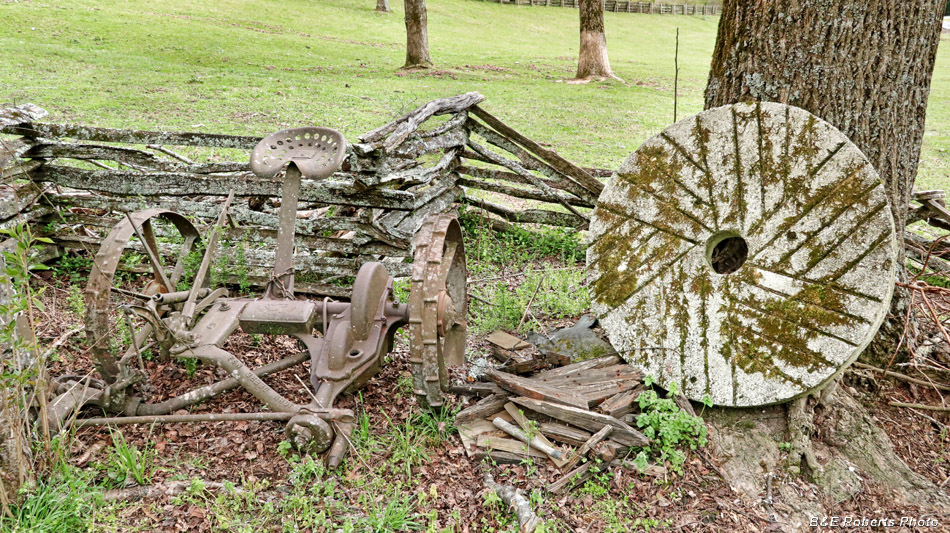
x,y
363,438
191,263
285,448
669,428
406,444
436,424
126,463
404,384
61,503
24,372
76,302
516,246
553,293
396,511
190,364
74,266
401,290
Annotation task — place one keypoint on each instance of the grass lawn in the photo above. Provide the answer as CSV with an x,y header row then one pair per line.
x,y
254,67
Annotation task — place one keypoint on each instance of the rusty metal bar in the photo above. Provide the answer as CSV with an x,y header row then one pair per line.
x,y
173,419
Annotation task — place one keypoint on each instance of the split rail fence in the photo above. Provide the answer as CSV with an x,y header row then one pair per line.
x,y
623,6
74,182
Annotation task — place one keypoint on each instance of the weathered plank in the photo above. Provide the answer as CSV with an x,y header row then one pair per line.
x,y
589,420
577,368
528,194
257,236
582,177
16,198
366,232
483,408
571,479
497,174
477,388
492,443
588,444
518,169
90,133
563,433
527,160
130,183
506,340
128,156
528,216
21,114
622,403
416,146
535,389
395,132
531,440
515,362
412,176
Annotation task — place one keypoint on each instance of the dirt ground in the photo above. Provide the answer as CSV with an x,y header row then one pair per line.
x,y
247,452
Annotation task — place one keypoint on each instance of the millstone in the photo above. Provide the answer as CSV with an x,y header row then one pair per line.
x,y
745,254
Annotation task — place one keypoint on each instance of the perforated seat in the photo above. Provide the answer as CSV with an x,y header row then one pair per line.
x,y
316,152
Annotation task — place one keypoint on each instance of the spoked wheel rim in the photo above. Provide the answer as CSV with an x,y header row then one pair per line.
x,y
438,307
100,315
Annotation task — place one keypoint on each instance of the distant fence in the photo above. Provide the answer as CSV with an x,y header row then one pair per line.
x,y
622,6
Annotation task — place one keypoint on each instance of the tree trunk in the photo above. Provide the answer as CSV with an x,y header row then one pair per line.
x,y
592,61
417,38
863,65
382,6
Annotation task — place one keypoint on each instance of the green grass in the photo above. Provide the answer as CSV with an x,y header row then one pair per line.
x,y
241,67
254,67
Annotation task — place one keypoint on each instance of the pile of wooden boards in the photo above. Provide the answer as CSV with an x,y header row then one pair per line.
x,y
567,415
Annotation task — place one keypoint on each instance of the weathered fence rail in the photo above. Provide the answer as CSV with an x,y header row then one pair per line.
x,y
622,6
74,182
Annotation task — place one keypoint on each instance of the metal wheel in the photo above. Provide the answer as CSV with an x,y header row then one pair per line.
x,y
438,307
132,244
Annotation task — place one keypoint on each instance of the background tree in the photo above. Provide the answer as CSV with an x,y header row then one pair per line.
x,y
592,61
863,65
417,38
382,6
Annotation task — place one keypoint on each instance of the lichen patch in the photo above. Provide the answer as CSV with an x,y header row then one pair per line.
x,y
812,266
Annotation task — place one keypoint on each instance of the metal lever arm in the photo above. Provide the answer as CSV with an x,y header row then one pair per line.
x,y
188,311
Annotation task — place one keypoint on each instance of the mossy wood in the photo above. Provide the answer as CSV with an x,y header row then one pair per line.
x,y
745,254
86,177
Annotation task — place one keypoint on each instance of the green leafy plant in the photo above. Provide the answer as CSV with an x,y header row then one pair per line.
x,y
74,266
25,372
126,463
670,430
76,302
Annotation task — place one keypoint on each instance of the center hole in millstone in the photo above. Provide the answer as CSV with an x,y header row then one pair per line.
x,y
726,252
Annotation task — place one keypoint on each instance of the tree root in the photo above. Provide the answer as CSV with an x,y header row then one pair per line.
x,y
588,79
801,426
514,498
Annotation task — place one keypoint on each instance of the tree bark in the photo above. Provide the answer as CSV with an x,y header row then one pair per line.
x,y
417,35
382,6
592,61
863,65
